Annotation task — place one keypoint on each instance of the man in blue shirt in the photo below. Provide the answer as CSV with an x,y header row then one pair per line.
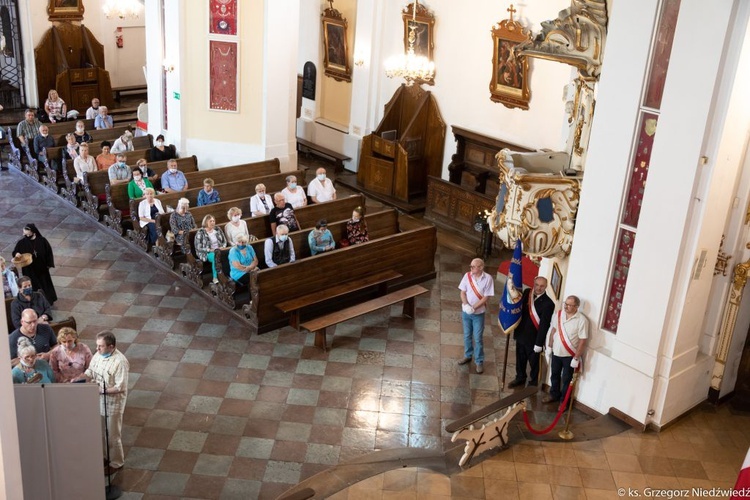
x,y
103,120
173,180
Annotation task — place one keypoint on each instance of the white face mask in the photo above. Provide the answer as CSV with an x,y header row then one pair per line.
x,y
172,170
80,128
321,177
235,218
355,219
45,134
159,143
137,178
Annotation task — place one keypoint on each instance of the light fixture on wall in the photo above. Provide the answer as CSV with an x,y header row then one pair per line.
x,y
122,8
410,66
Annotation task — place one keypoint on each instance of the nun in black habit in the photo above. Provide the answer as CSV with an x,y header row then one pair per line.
x,y
42,259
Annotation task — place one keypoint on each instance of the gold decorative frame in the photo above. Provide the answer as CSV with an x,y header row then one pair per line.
x,y
510,73
335,46
556,281
65,10
424,44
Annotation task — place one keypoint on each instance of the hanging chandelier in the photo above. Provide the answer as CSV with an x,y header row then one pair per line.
x,y
409,66
122,8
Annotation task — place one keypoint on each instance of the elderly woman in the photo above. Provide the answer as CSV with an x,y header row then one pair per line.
x,y
356,227
160,151
236,227
70,358
146,171
106,158
320,239
293,193
70,151
55,107
208,195
147,211
10,284
181,221
242,260
31,370
84,163
207,239
80,133
138,184
124,143
260,204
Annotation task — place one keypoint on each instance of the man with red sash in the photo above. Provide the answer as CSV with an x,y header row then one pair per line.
x,y
536,312
476,288
567,339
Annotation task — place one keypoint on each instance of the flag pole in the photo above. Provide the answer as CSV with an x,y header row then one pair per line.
x,y
505,355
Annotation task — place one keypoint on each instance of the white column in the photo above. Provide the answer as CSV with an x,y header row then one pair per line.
x,y
11,485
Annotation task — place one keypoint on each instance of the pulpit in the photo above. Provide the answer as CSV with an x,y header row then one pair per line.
x,y
405,148
70,59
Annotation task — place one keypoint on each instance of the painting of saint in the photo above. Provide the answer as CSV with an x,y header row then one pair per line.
x,y
509,68
336,45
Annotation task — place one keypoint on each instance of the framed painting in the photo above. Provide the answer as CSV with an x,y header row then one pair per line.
x,y
335,48
65,10
510,73
422,24
222,17
556,281
223,75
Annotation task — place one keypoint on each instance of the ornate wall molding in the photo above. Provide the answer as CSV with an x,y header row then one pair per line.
x,y
728,322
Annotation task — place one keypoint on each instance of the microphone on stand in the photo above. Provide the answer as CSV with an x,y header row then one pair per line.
x,y
112,492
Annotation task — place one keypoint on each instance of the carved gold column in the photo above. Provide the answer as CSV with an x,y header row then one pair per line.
x,y
728,322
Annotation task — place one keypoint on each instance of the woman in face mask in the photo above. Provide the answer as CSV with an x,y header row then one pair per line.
x,y
356,227
181,221
236,227
42,259
242,260
31,370
80,133
293,193
138,184
70,151
70,358
161,151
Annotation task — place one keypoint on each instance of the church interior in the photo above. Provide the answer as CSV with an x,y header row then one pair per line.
x,y
600,136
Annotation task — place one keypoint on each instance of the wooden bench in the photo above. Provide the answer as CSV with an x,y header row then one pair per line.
x,y
307,147
319,325
410,253
117,92
60,129
55,325
293,307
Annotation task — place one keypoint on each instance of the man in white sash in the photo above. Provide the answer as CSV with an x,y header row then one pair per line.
x,y
567,339
536,315
476,288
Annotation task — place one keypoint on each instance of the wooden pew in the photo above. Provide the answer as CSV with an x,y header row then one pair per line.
x,y
410,253
379,224
60,129
117,216
228,188
260,227
97,136
56,325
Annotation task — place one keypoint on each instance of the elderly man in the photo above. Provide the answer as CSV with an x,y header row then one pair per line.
x,y
109,369
28,128
103,120
119,172
279,249
93,111
27,298
173,181
536,314
41,142
476,288
40,335
567,340
282,213
321,188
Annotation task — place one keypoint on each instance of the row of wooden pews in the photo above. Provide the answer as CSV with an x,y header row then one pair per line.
x,y
314,292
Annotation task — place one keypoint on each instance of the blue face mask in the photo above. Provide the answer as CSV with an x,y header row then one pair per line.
x,y
321,177
292,185
283,237
241,247
106,355
27,291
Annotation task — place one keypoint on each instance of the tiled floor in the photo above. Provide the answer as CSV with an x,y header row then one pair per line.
x,y
215,413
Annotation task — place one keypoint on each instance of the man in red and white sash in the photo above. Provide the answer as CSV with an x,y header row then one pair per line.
x,y
536,314
567,338
476,288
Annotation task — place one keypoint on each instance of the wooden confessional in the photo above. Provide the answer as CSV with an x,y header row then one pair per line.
x,y
70,59
405,148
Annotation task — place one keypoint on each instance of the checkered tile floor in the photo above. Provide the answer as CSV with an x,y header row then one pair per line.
x,y
215,413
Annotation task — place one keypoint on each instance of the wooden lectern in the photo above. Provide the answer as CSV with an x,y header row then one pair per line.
x,y
405,148
71,60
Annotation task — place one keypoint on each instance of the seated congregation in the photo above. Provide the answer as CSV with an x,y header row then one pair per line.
x,y
249,235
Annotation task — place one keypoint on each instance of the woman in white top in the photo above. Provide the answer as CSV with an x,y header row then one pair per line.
x,y
260,204
123,144
236,227
293,193
147,211
83,163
